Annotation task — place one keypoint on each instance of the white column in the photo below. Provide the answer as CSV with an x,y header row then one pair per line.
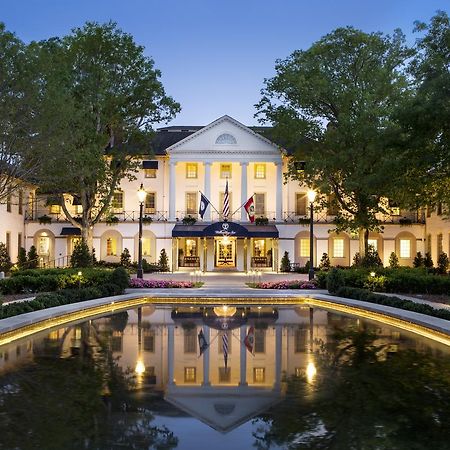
x,y
207,216
243,362
278,352
170,353
172,186
244,198
279,201
206,358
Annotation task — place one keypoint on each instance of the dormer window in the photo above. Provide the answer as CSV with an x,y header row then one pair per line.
x,y
226,139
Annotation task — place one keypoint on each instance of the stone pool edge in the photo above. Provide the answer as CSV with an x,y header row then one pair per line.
x,y
24,325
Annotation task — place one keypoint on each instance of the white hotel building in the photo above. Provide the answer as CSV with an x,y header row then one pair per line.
x,y
188,160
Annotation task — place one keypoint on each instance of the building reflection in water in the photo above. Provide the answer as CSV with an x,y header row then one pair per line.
x,y
160,345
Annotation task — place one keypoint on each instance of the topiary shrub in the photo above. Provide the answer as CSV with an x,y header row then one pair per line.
x,y
5,260
33,258
418,260
125,258
163,262
427,261
393,261
120,277
22,258
335,280
81,256
372,259
442,263
325,263
285,263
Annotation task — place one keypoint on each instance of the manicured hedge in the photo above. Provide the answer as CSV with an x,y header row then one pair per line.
x,y
118,281
396,302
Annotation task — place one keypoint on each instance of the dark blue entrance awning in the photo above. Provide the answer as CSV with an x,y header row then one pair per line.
x,y
231,229
70,231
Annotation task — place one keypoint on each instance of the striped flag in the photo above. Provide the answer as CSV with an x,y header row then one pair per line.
x,y
225,347
226,203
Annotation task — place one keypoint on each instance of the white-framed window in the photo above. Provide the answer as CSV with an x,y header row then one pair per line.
x,y
373,243
338,248
301,203
43,245
260,341
225,170
191,203
191,170
226,139
146,246
304,247
259,374
191,247
111,246
149,340
190,374
260,171
8,243
405,248
259,247
260,204
190,341
150,173
150,203
79,209
117,202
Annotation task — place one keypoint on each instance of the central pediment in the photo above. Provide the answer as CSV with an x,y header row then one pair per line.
x,y
225,138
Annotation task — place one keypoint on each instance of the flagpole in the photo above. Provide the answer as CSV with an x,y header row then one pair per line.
x,y
243,204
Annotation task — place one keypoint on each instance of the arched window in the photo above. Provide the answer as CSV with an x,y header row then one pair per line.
x,y
226,139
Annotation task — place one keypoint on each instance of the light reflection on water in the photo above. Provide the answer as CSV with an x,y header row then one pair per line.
x,y
315,379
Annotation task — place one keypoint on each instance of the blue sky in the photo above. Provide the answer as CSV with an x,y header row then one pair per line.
x,y
214,55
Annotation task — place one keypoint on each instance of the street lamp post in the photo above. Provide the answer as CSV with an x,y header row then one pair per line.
x,y
311,198
141,196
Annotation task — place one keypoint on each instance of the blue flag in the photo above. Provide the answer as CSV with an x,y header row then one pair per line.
x,y
202,342
204,202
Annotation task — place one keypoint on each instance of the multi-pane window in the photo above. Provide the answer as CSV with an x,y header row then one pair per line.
x,y
111,246
21,202
440,246
304,248
117,202
260,171
191,203
191,170
19,241
301,201
259,374
373,243
55,209
260,204
117,341
8,242
149,340
8,202
405,248
230,201
150,203
224,374
190,374
429,244
190,341
338,248
300,340
146,246
43,245
225,171
259,247
79,209
260,341
150,173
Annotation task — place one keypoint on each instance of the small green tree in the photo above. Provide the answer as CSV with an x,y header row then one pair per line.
x,y
33,258
442,263
125,258
393,261
163,261
335,280
428,261
5,260
94,258
22,258
81,256
325,262
285,263
418,260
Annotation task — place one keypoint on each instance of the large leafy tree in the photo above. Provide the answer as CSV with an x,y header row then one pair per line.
x,y
104,94
341,95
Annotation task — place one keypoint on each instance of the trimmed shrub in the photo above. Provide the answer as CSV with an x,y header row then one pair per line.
x,y
418,260
120,277
33,258
22,258
5,261
393,261
427,261
285,263
163,262
325,263
442,264
335,280
125,258
81,256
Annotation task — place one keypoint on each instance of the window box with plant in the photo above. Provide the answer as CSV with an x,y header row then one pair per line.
x,y
44,219
112,220
147,220
261,221
189,220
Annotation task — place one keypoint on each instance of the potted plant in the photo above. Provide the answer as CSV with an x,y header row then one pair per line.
x,y
405,221
112,220
189,220
147,220
261,221
303,221
44,219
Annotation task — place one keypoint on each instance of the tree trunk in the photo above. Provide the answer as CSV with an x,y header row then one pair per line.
x,y
87,234
363,241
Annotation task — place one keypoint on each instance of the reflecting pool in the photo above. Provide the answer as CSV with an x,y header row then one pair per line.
x,y
194,377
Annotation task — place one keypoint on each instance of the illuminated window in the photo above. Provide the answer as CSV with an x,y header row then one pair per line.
x,y
190,374
259,247
117,202
260,204
191,247
111,246
373,243
259,374
55,209
79,209
304,248
191,203
146,246
191,170
405,248
260,341
301,201
338,248
260,171
150,203
43,245
225,171
150,173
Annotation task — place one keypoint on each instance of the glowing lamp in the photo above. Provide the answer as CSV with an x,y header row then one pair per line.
x,y
141,193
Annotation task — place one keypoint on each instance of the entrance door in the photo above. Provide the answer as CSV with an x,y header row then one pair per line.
x,y
225,252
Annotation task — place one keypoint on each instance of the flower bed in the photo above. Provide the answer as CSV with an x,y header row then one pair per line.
x,y
293,284
161,284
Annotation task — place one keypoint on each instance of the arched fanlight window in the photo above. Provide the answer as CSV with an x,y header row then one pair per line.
x,y
226,139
